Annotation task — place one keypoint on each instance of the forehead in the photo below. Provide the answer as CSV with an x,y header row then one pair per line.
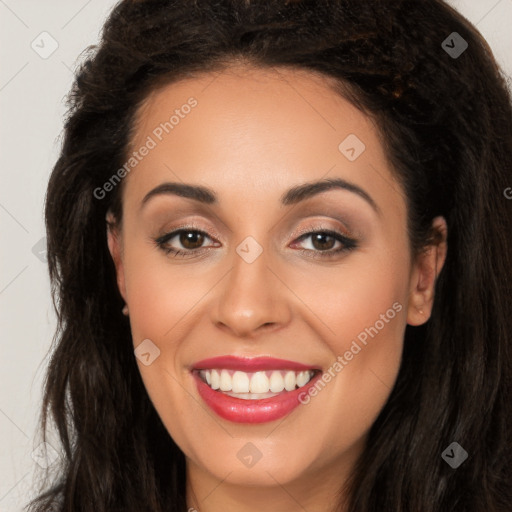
x,y
256,130
247,107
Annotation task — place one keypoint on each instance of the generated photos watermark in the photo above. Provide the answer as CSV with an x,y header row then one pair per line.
x,y
157,135
343,360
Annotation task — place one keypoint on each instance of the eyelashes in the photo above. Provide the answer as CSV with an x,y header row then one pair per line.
x,y
319,236
163,242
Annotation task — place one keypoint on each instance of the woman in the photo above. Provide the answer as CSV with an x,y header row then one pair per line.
x,y
280,249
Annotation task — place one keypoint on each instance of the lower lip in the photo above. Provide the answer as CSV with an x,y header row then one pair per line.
x,y
239,410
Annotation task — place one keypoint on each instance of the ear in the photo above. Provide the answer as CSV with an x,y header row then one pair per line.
x,y
424,274
115,247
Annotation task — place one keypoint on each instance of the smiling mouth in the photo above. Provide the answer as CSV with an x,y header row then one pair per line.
x,y
255,385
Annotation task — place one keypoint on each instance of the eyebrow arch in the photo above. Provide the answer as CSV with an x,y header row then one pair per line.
x,y
307,190
292,196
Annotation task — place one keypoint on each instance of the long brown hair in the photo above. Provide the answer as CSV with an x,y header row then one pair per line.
x,y
445,121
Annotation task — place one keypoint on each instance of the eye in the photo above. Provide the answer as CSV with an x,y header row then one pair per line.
x,y
191,240
322,243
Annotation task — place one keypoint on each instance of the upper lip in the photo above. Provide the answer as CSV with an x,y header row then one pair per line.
x,y
250,364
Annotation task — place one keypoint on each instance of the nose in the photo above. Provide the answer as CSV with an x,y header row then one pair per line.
x,y
252,299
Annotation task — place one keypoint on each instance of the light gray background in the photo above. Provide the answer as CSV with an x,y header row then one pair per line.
x,y
32,91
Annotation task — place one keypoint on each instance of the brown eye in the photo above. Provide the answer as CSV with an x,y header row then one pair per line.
x,y
191,239
322,241
183,242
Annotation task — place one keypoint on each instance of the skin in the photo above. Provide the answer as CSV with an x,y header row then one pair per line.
x,y
253,135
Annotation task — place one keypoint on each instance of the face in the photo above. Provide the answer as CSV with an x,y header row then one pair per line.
x,y
263,267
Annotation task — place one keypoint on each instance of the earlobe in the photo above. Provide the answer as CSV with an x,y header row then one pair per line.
x,y
427,267
114,242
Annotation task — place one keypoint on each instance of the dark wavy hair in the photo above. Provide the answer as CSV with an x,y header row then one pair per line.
x,y
446,126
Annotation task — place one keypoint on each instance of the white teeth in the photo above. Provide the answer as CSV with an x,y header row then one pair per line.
x,y
302,379
257,385
225,381
240,382
289,381
215,384
276,382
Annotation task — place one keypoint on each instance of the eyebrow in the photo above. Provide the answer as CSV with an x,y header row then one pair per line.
x,y
292,196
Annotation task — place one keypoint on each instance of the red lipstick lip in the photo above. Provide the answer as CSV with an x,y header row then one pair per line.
x,y
250,364
239,410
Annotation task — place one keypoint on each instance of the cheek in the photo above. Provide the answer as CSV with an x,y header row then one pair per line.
x,y
161,293
355,294
359,311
